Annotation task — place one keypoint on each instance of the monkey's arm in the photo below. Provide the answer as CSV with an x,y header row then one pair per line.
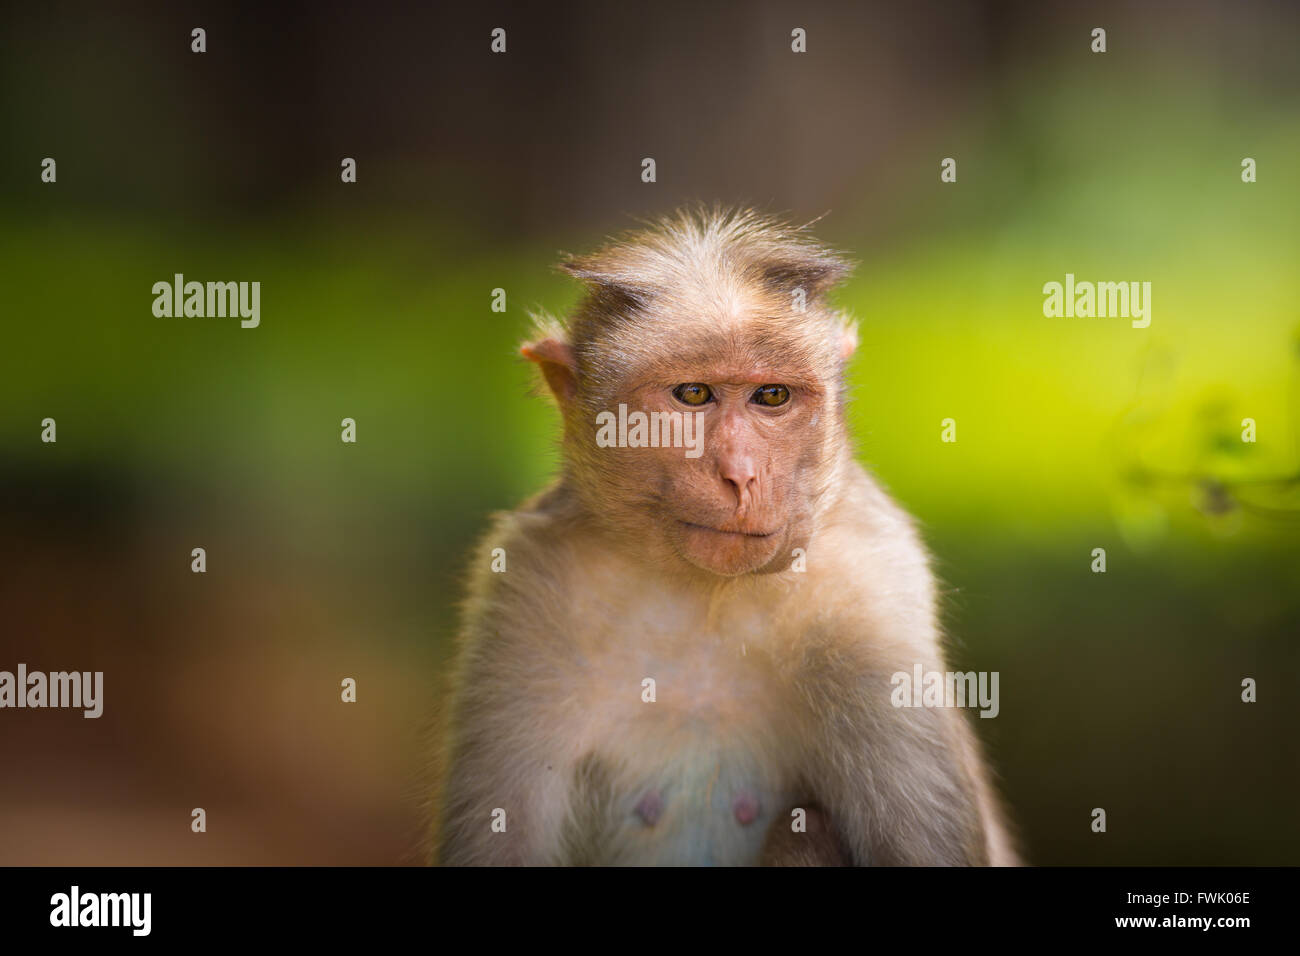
x,y
500,803
895,781
518,732
504,792
901,785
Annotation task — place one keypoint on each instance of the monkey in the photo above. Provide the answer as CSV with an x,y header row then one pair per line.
x,y
687,657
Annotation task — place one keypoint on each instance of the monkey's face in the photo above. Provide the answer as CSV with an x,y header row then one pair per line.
x,y
738,493
700,381
742,505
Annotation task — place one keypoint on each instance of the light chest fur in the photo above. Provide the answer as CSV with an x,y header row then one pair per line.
x,y
677,714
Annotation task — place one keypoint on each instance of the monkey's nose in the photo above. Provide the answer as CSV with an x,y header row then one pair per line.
x,y
739,472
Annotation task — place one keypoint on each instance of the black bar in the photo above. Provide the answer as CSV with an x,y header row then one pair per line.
x,y
327,905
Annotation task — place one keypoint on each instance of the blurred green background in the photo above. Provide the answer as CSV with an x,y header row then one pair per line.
x,y
1119,690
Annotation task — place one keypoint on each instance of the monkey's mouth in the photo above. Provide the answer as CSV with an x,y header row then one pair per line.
x,y
734,534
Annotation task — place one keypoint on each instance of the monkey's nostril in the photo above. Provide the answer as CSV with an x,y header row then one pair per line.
x,y
739,472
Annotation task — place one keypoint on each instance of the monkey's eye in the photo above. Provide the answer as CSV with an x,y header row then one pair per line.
x,y
770,395
693,393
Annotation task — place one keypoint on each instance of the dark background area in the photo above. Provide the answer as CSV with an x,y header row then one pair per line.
x,y
328,560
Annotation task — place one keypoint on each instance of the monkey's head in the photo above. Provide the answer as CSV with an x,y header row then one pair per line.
x,y
701,384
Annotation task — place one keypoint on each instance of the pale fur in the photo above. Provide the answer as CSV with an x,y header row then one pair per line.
x,y
774,683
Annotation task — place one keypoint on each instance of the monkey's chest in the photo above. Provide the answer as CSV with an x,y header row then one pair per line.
x,y
697,759
711,807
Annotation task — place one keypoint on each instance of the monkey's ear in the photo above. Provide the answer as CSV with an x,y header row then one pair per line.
x,y
555,359
848,340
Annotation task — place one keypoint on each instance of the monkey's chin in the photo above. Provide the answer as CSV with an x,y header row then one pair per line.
x,y
729,553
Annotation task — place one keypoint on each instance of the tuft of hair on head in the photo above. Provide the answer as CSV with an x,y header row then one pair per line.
x,y
695,247
736,242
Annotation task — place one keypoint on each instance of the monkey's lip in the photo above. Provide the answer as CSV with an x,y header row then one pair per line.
x,y
738,534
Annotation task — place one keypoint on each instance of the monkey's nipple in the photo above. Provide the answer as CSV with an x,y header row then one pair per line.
x,y
746,808
650,808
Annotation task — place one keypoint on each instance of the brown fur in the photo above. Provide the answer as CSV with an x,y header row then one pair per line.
x,y
640,562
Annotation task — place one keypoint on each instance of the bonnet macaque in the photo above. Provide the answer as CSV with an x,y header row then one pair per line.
x,y
688,656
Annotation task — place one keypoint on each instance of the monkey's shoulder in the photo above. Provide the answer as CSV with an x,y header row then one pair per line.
x,y
539,571
549,540
867,573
